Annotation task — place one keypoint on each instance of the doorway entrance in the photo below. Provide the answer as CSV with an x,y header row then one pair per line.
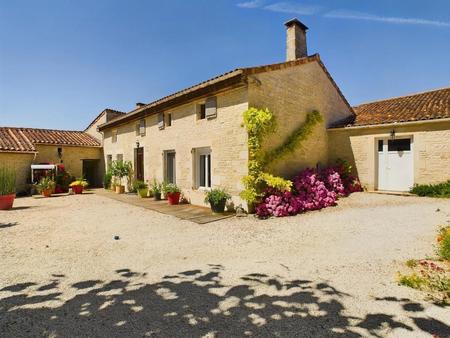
x,y
139,163
91,172
395,164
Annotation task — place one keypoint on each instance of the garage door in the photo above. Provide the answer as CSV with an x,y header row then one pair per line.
x,y
395,164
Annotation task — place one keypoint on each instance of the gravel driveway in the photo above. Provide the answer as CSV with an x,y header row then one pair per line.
x,y
321,274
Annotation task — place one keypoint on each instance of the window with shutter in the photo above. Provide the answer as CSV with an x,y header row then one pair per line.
x,y
161,120
201,111
142,127
202,163
114,136
211,107
169,119
137,128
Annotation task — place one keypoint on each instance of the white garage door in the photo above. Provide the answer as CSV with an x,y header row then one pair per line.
x,y
395,164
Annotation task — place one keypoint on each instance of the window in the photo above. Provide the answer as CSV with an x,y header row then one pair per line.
x,y
140,128
201,111
119,157
380,145
114,136
202,163
169,119
161,120
108,161
169,166
399,145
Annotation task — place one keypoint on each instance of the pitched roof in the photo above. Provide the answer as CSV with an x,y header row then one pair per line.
x,y
24,139
226,80
431,105
112,114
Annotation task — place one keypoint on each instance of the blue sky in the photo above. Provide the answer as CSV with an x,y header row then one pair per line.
x,y
62,62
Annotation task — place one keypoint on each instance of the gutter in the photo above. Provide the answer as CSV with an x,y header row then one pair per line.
x,y
393,124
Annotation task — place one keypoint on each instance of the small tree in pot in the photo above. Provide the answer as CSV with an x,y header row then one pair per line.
x,y
120,169
217,199
7,188
172,193
46,186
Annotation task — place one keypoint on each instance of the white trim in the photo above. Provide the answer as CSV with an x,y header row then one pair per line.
x,y
197,153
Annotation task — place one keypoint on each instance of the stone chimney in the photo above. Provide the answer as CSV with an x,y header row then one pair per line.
x,y
295,40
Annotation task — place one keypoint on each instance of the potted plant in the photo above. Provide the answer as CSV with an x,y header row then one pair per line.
x,y
141,188
107,179
172,193
78,185
7,188
46,186
156,190
217,198
120,170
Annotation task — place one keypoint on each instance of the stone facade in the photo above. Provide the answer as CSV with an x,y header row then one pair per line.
x,y
72,159
431,150
223,134
290,94
21,163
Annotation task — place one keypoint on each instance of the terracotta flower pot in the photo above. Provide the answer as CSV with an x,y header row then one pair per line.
x,y
120,189
47,192
77,189
6,201
173,198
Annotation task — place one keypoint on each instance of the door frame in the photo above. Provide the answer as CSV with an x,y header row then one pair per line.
x,y
136,157
377,157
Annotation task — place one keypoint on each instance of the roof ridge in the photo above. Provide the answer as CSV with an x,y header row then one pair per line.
x,y
44,129
402,96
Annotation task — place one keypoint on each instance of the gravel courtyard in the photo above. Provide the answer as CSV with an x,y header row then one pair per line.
x,y
320,274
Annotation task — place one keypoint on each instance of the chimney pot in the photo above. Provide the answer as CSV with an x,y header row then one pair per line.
x,y
295,40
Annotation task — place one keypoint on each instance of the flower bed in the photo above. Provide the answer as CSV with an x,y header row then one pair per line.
x,y
432,275
312,190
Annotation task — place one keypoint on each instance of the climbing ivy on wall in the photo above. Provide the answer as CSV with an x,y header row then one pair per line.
x,y
260,123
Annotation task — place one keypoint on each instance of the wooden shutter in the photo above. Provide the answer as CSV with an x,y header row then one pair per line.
x,y
161,120
211,107
137,128
142,127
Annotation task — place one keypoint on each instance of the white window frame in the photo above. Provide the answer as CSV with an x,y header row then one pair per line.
x,y
198,153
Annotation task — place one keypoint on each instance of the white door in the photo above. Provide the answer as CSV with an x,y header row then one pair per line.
x,y
395,164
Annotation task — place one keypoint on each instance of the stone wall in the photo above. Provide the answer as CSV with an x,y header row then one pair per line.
x,y
290,94
223,134
21,163
431,147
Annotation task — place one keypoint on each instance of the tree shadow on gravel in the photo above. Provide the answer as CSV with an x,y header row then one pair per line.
x,y
7,225
192,303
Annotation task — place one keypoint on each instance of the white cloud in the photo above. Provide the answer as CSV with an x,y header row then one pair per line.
x,y
344,14
251,4
294,8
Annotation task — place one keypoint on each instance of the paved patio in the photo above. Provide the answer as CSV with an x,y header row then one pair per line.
x,y
189,212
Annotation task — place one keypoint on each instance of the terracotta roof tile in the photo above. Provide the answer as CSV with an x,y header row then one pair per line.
x,y
25,139
429,105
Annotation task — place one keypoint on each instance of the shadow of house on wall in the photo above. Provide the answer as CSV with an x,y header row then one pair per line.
x,y
189,304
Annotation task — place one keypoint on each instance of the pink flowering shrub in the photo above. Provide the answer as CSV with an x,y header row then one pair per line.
x,y
313,190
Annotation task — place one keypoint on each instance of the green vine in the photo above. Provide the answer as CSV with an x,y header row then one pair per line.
x,y
260,123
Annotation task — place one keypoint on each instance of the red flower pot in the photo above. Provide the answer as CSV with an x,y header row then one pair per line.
x,y
6,201
173,198
77,189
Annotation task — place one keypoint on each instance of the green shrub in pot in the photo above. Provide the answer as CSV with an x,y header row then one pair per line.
x,y
141,188
156,190
217,198
7,188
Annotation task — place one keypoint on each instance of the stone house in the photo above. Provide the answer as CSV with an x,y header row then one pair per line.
x,y
398,142
80,153
195,137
